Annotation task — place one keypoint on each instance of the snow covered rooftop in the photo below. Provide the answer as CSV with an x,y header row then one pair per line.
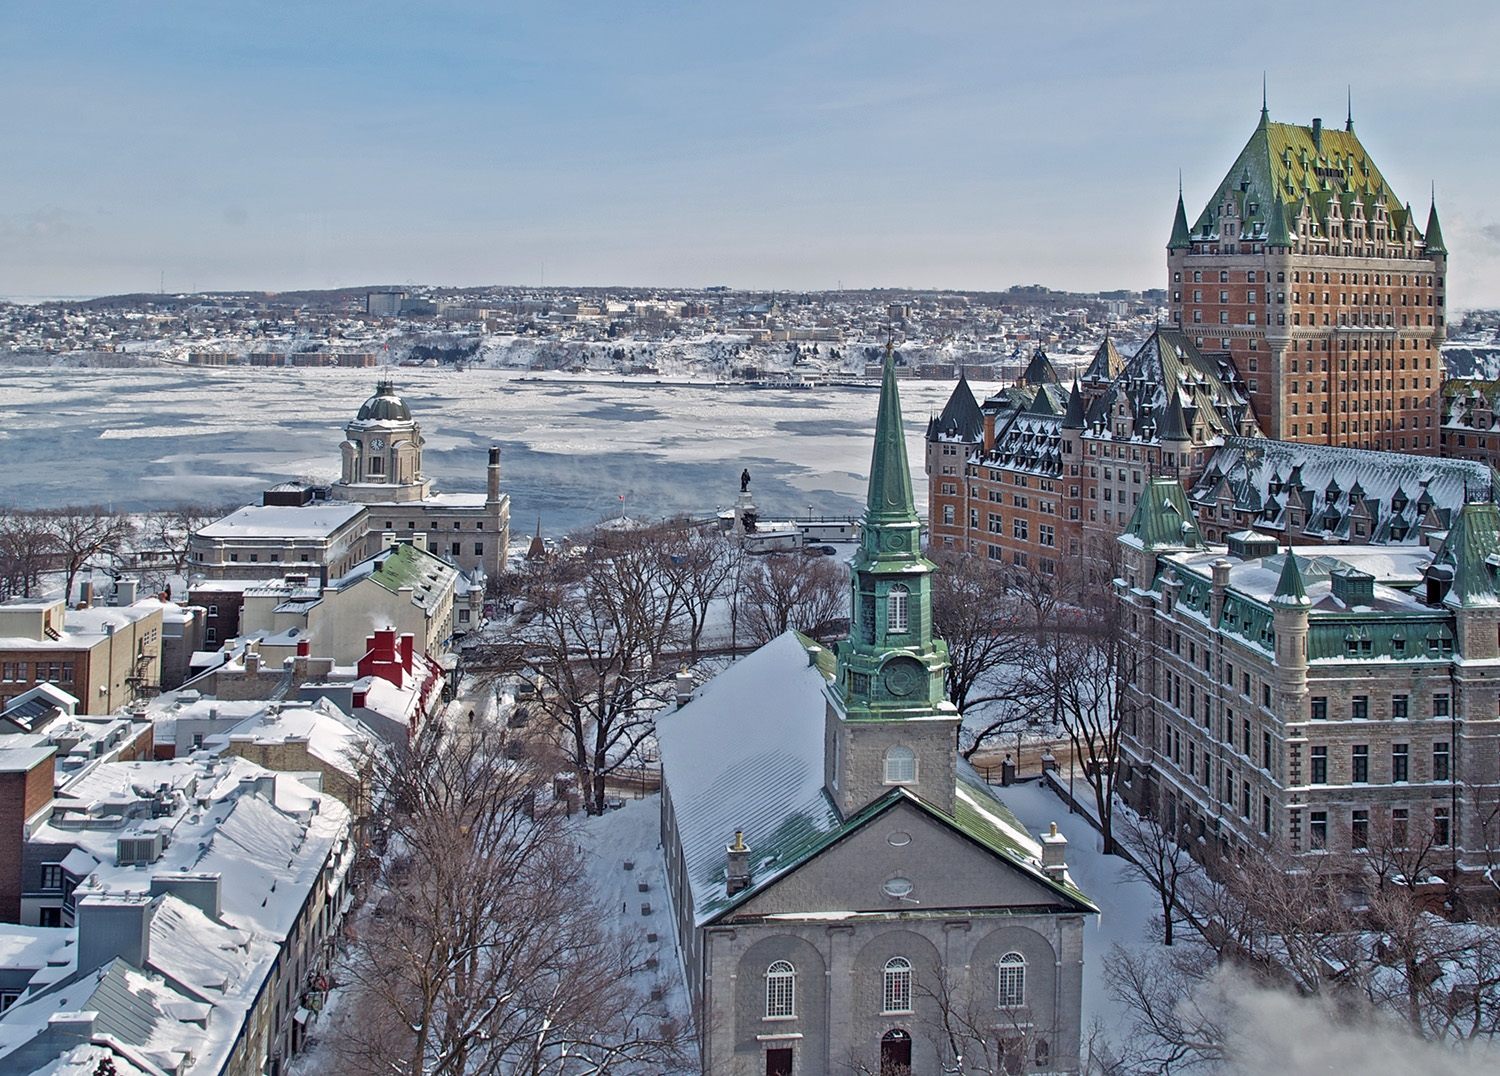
x,y
1395,569
279,521
747,754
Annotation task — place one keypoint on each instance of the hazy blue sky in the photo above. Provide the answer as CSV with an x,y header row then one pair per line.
x,y
765,145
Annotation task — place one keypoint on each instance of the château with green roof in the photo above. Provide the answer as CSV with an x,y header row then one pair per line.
x,y
1305,261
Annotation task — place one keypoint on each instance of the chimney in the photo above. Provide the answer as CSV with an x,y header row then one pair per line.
x,y
252,663
493,490
114,925
1054,854
304,648
125,591
387,539
65,1030
684,682
1317,132
407,642
202,891
737,875
85,593
419,539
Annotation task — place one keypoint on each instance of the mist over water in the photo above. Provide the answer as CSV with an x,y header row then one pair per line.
x,y
572,452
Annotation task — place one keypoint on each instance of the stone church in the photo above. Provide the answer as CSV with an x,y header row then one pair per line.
x,y
843,886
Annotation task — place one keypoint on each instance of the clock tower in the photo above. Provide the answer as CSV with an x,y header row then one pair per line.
x,y
382,453
889,722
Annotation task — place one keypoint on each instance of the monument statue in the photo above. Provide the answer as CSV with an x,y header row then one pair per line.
x,y
744,480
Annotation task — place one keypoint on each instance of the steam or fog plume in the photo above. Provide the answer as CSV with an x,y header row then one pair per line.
x,y
1272,1033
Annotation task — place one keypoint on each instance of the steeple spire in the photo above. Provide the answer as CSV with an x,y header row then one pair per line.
x,y
1265,113
1434,234
889,499
1349,121
1182,239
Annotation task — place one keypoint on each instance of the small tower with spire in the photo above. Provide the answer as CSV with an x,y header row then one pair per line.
x,y
889,723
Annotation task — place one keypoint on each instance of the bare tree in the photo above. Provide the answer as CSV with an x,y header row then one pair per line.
x,y
701,567
172,529
988,630
487,957
25,552
79,534
1080,670
598,627
794,590
1156,858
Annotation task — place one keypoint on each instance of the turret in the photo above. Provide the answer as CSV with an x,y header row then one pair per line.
x,y
1290,605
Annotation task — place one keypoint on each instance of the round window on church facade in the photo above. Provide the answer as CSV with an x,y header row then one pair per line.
x,y
898,887
902,676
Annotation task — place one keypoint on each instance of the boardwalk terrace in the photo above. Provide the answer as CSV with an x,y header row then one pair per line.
x,y
1314,703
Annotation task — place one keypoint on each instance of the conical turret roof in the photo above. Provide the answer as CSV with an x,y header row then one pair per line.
x,y
1289,588
890,498
1040,371
1073,418
961,417
1181,237
1434,233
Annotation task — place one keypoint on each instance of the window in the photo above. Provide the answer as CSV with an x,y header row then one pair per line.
x,y
210,635
52,877
1399,759
1440,818
1319,761
1398,827
1320,708
1359,829
780,991
1012,981
896,988
479,549
377,465
1398,707
895,609
1440,761
457,548
1018,529
1360,764
900,766
1359,707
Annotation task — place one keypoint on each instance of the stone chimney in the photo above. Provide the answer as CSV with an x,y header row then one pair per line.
x,y
252,663
1054,854
85,593
125,590
737,875
684,683
492,493
387,539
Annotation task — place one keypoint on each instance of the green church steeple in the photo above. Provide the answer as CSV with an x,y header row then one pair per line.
x,y
891,666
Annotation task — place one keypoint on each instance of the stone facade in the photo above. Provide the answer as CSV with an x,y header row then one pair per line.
x,y
1332,702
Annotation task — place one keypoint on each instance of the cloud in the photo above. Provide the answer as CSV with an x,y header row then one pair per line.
x,y
47,222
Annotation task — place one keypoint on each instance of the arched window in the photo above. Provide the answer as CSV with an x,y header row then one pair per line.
x,y
896,992
1012,980
895,609
900,766
781,984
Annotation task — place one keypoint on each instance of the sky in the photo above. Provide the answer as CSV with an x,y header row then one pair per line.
x,y
792,146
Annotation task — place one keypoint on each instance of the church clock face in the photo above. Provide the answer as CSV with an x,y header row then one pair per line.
x,y
902,677
377,442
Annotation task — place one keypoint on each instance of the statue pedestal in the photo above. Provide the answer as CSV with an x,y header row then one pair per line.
x,y
743,507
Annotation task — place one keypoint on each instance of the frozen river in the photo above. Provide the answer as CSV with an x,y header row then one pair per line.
x,y
571,449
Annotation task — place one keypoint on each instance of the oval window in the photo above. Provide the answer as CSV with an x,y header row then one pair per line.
x,y
898,887
899,838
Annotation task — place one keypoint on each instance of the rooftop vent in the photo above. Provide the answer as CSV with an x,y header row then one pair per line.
x,y
1352,586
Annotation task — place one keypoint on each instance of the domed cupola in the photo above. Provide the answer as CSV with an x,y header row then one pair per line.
x,y
384,406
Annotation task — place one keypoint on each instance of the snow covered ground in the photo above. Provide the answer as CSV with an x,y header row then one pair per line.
x,y
574,449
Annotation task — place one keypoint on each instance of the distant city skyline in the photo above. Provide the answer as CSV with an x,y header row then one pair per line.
x,y
952,145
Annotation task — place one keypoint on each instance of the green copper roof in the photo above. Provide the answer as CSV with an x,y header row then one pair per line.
x,y
1163,518
1277,234
1434,233
890,498
1181,238
1073,418
1472,554
1302,168
1289,588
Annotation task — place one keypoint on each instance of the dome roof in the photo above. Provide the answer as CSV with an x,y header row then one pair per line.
x,y
384,406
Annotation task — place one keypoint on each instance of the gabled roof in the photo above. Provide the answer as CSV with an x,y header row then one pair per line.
x,y
978,817
961,419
